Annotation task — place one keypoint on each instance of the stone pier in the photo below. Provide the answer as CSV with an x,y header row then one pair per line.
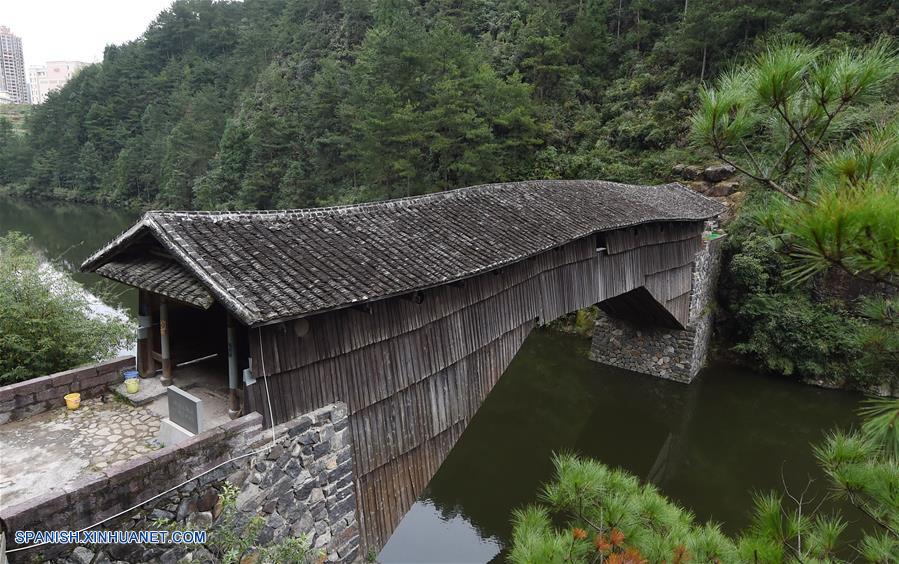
x,y
672,354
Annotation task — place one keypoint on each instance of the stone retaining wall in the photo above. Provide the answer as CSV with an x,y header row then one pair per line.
x,y
100,495
667,353
302,485
305,484
24,399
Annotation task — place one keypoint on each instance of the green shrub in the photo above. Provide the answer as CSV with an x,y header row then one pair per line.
x,y
291,549
610,516
590,513
781,325
235,541
45,320
807,125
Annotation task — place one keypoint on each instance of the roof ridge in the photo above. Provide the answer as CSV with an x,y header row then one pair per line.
x,y
392,202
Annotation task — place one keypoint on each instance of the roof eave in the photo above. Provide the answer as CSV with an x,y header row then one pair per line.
x,y
229,302
94,261
148,222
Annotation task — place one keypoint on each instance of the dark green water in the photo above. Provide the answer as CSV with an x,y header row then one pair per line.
x,y
707,445
69,233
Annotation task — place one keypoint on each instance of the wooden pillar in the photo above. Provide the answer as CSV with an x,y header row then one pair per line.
x,y
164,345
145,363
233,400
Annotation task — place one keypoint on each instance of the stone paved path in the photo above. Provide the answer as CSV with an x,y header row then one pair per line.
x,y
112,432
52,449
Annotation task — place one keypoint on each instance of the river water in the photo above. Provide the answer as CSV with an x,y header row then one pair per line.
x,y
708,445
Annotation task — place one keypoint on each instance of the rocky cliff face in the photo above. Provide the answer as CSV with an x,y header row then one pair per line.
x,y
719,182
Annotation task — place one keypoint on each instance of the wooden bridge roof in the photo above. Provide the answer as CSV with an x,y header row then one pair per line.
x,y
161,275
266,266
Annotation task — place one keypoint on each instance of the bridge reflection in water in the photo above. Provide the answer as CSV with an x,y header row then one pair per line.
x,y
730,433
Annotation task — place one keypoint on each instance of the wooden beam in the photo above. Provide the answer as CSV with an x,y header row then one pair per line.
x,y
364,308
145,364
165,346
414,297
233,400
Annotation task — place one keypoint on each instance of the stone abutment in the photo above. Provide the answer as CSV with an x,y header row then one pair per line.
x,y
673,354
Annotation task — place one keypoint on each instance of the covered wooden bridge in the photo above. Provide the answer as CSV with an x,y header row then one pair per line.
x,y
408,310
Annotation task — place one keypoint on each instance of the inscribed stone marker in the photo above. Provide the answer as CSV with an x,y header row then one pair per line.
x,y
185,409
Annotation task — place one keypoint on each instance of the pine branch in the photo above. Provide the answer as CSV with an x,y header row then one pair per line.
x,y
863,507
783,114
830,118
763,179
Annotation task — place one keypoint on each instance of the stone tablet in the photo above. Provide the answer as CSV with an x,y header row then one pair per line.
x,y
185,410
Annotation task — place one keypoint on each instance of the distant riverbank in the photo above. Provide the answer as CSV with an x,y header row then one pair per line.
x,y
61,196
66,233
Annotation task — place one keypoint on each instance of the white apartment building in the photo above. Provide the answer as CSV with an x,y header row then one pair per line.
x,y
46,78
12,68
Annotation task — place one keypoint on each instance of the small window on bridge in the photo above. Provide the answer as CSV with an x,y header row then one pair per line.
x,y
601,243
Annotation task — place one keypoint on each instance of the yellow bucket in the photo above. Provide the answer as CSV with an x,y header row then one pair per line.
x,y
73,400
132,385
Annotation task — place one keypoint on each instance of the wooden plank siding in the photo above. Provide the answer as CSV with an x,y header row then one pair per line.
x,y
413,374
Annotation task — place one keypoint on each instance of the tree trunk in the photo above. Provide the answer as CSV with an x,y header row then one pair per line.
x,y
618,30
638,30
702,72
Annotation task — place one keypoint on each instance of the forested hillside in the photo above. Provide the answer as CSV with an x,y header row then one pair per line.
x,y
269,103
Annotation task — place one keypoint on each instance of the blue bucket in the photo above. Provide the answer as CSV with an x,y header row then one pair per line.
x,y
131,373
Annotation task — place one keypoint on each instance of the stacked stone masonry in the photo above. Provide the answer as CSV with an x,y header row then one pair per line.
x,y
301,485
31,397
304,484
666,353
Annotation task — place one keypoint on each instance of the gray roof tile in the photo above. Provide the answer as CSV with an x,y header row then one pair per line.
x,y
270,265
159,275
